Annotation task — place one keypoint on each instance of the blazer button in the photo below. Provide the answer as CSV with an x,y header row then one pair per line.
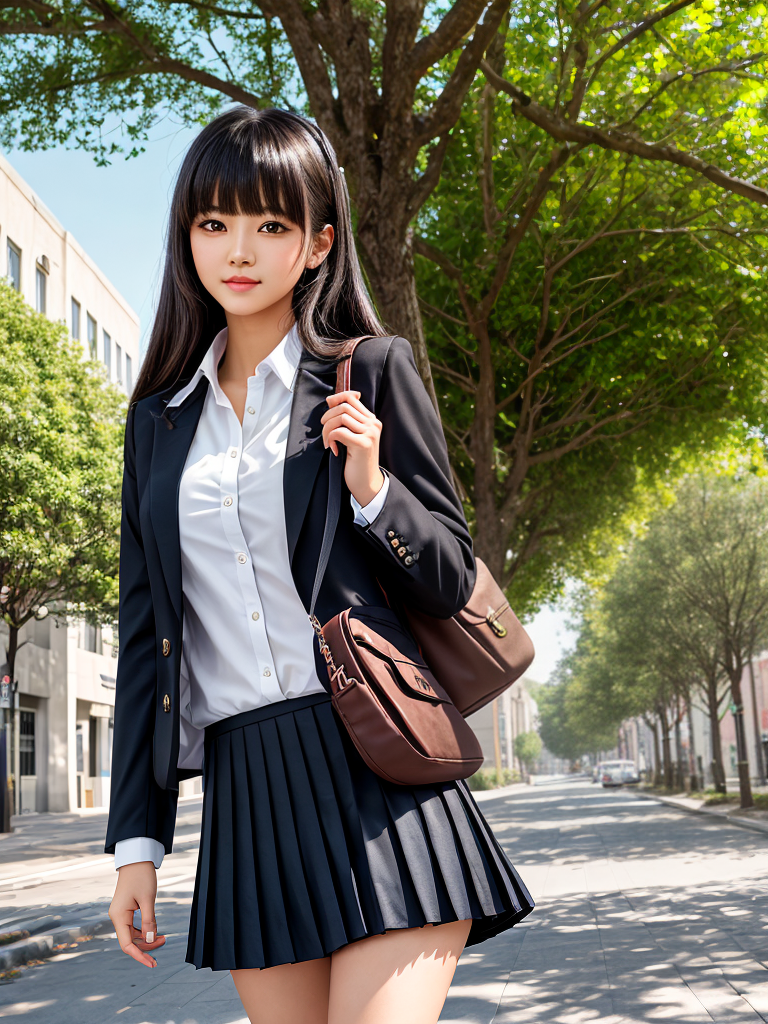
x,y
166,648
408,559
395,543
401,552
390,533
166,703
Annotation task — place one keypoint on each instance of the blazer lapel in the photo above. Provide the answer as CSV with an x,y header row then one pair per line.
x,y
169,453
315,380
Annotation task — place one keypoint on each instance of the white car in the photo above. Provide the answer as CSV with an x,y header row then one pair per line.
x,y
618,773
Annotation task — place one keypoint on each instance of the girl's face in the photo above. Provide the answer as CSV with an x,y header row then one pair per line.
x,y
248,263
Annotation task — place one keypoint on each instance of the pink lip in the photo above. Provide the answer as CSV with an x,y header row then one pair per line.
x,y
241,284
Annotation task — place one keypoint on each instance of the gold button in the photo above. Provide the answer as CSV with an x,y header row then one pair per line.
x,y
166,703
166,648
395,543
390,533
267,672
401,552
227,501
255,616
242,559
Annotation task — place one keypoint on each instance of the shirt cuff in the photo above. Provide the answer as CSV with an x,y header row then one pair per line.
x,y
131,851
365,514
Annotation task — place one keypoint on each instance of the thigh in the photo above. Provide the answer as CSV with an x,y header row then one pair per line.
x,y
403,975
288,994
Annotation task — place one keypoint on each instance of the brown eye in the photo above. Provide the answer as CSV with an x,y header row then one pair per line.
x,y
212,225
273,224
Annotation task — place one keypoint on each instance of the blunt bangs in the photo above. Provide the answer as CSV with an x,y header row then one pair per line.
x,y
251,174
254,163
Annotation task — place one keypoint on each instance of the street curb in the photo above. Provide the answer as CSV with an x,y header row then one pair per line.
x,y
751,826
39,947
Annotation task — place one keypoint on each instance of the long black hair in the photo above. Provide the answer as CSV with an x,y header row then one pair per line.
x,y
257,161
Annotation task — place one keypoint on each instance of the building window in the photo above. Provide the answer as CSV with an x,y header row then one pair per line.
x,y
91,336
75,319
128,373
92,638
118,363
41,287
27,743
107,354
14,264
93,735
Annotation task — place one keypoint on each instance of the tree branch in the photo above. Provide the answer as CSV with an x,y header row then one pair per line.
x,y
620,142
456,23
638,30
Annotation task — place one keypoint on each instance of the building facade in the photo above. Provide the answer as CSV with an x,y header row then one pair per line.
x,y
65,669
518,713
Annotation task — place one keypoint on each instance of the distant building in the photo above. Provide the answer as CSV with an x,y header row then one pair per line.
x,y
65,671
518,713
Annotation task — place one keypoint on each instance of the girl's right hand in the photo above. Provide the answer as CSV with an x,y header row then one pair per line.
x,y
136,889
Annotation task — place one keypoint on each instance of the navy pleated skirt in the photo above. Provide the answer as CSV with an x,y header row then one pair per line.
x,y
304,849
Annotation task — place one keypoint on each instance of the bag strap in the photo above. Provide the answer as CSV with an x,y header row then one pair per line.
x,y
335,475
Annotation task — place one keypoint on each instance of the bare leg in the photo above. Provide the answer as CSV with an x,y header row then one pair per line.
x,y
402,976
289,994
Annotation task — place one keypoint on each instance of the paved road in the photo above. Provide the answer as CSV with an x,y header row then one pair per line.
x,y
644,914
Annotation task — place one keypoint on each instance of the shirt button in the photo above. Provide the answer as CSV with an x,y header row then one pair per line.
x,y
255,616
233,453
241,557
251,410
267,672
227,501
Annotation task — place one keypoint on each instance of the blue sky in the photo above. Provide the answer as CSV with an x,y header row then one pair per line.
x,y
118,215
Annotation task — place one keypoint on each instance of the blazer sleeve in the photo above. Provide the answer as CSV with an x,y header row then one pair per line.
x,y
420,535
138,806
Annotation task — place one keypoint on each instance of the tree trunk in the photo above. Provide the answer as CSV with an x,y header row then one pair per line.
x,y
9,796
656,755
756,723
745,786
386,252
713,710
666,745
696,783
679,759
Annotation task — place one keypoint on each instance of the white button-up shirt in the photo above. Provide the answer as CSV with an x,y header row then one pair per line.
x,y
247,640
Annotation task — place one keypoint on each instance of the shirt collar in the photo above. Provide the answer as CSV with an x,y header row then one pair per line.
x,y
283,361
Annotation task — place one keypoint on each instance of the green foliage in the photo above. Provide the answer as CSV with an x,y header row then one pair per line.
x,y
528,747
60,470
488,778
621,338
687,603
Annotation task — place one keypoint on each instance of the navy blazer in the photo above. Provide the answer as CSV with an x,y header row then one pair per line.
x,y
418,547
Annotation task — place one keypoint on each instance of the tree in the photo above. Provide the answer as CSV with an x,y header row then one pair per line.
x,y
387,83
528,749
594,318
711,551
60,472
682,613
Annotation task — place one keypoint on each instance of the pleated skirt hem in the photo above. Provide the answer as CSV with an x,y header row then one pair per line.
x,y
305,850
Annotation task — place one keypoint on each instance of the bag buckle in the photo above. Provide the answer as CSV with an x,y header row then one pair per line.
x,y
492,619
336,673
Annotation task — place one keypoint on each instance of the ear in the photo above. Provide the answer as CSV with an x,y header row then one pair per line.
x,y
321,246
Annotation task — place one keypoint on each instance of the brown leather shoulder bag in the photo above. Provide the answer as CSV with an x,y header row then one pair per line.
x,y
408,726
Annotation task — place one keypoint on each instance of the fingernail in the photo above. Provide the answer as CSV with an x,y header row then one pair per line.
x,y
150,937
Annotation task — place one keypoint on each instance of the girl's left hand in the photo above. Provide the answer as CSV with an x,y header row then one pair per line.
x,y
348,421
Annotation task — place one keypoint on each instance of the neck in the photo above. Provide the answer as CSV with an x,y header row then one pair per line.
x,y
250,339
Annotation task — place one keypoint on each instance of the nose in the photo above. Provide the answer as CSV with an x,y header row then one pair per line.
x,y
241,252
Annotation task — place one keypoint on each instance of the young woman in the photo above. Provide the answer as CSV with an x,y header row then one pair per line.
x,y
332,896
